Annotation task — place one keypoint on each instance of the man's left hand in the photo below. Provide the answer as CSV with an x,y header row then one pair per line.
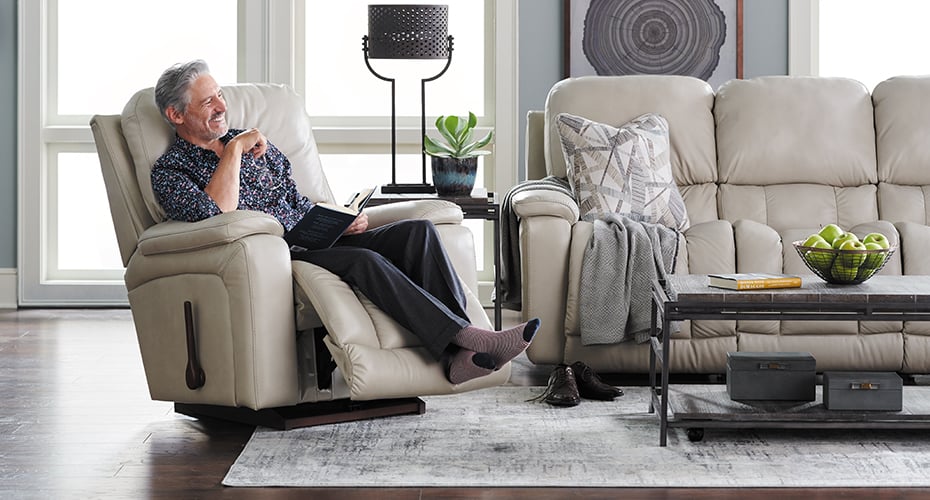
x,y
359,225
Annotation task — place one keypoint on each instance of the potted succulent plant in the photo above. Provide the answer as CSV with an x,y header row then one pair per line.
x,y
455,160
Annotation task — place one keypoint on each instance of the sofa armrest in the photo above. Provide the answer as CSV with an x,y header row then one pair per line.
x,y
175,236
545,202
436,211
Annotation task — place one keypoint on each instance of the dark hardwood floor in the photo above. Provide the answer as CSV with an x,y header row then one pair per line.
x,y
76,422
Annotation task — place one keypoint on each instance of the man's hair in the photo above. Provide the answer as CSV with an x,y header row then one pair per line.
x,y
172,89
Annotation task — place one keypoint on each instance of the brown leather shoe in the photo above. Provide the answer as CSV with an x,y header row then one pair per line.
x,y
591,386
562,389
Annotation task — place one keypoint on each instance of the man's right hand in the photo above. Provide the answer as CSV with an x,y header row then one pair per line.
x,y
253,141
224,185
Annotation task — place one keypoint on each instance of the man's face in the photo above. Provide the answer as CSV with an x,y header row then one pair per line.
x,y
204,120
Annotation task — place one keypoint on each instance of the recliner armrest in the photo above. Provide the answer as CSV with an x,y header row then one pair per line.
x,y
175,236
436,211
545,202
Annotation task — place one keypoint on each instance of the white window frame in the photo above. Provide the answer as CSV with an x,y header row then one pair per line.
x,y
501,87
266,28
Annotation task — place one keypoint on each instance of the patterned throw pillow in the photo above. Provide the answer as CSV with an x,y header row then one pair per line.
x,y
624,170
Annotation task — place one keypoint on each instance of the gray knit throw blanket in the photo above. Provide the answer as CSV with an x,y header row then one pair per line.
x,y
511,280
620,262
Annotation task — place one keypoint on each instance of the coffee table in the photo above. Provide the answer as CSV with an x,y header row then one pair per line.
x,y
688,297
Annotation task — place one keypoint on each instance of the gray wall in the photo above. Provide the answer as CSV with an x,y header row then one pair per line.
x,y
8,78
765,49
765,44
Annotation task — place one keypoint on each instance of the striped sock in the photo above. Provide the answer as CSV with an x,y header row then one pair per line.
x,y
467,364
503,345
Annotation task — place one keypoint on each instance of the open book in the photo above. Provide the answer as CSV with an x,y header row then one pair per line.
x,y
324,223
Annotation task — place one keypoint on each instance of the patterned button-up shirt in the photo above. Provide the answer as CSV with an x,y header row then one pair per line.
x,y
180,175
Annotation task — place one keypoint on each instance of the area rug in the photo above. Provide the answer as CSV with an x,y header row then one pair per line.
x,y
496,437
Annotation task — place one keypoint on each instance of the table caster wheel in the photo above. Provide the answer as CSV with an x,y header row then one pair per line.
x,y
695,434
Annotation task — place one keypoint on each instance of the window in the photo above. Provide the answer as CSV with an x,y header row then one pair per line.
x,y
72,257
351,108
86,57
868,40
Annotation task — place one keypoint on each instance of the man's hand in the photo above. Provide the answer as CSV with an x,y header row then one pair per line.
x,y
359,225
252,140
224,185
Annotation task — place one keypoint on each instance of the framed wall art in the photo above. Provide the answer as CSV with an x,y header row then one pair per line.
x,y
700,38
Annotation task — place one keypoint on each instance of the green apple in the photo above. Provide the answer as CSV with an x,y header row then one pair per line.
x,y
879,238
865,273
851,259
816,241
839,240
873,260
830,232
840,272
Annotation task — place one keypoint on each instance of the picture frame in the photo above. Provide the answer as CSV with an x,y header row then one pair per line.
x,y
701,38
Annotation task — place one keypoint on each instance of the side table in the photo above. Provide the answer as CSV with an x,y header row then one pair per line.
x,y
473,207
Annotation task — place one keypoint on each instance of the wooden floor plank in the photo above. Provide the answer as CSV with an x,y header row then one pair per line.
x,y
76,421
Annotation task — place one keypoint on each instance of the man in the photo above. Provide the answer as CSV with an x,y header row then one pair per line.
x,y
401,267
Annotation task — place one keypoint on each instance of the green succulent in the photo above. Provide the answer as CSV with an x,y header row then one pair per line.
x,y
458,133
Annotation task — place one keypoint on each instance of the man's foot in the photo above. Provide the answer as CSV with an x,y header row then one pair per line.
x,y
503,345
467,364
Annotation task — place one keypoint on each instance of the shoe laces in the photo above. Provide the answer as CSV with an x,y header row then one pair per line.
x,y
557,378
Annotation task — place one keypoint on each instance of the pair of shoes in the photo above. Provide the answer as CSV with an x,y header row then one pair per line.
x,y
562,389
590,386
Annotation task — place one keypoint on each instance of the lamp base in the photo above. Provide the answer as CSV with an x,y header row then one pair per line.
x,y
407,188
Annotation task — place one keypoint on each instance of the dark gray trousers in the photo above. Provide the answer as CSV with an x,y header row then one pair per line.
x,y
404,270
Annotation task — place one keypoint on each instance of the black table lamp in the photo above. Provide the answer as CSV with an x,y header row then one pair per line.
x,y
407,32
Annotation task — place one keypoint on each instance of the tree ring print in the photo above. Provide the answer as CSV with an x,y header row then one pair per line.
x,y
670,37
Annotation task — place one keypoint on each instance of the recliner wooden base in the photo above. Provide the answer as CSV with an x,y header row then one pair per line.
x,y
307,414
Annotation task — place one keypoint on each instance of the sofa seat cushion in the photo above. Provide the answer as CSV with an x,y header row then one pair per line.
x,y
623,170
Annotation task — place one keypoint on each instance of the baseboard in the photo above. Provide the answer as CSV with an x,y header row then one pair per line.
x,y
8,295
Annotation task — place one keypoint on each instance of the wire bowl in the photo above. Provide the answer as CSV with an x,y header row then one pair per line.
x,y
843,267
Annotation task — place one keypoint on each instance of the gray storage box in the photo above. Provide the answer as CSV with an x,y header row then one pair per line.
x,y
771,376
862,391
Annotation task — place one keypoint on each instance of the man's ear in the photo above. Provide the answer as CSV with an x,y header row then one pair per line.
x,y
174,116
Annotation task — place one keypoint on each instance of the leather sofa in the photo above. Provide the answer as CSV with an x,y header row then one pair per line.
x,y
261,321
760,163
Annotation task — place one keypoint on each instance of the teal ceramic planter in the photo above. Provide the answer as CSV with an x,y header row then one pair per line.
x,y
454,176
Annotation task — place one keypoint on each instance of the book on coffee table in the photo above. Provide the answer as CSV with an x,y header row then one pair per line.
x,y
754,281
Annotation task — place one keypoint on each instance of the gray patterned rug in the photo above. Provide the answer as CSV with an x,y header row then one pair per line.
x,y
494,437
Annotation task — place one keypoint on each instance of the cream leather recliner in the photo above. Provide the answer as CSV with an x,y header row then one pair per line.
x,y
260,321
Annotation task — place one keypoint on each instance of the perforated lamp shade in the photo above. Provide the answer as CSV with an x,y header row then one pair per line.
x,y
408,31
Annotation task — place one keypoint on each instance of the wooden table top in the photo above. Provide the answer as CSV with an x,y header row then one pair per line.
x,y
692,288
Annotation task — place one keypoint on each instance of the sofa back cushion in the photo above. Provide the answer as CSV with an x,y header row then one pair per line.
x,y
902,126
276,110
796,151
685,102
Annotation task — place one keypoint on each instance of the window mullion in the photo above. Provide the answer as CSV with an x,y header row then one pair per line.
x,y
803,37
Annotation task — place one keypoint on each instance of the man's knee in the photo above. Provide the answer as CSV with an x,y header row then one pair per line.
x,y
422,227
